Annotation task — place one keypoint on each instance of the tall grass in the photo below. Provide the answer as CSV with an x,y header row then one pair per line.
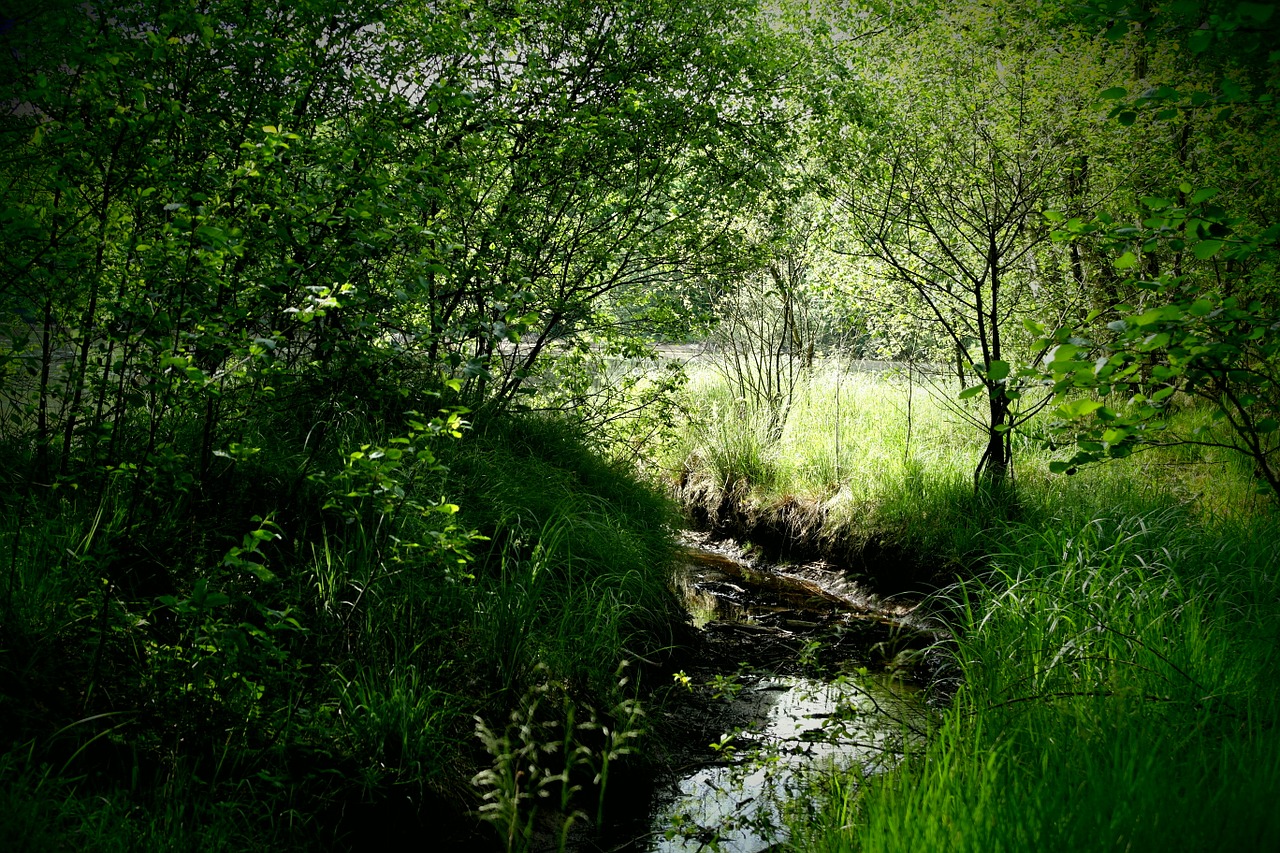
x,y
1119,692
874,458
1117,633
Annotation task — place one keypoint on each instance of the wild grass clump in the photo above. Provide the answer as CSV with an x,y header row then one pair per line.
x,y
573,574
1119,691
41,806
858,450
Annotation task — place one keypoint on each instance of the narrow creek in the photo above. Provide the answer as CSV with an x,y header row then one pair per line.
x,y
797,670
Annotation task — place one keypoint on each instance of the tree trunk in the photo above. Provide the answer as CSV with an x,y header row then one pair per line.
x,y
997,458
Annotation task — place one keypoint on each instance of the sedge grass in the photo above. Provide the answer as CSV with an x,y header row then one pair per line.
x,y
1119,692
878,458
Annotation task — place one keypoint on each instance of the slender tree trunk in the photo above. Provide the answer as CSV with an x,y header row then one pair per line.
x,y
995,460
42,403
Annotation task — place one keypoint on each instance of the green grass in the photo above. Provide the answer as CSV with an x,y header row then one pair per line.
x,y
239,683
1119,692
1117,633
845,461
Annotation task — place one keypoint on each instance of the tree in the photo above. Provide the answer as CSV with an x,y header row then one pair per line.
x,y
1183,336
1194,308
945,194
350,208
768,331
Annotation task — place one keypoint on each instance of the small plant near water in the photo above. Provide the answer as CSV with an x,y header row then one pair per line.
x,y
541,759
725,686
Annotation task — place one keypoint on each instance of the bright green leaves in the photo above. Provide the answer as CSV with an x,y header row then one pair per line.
x,y
1127,261
1205,249
1201,195
1078,408
997,377
1192,341
248,556
1199,228
375,478
1160,314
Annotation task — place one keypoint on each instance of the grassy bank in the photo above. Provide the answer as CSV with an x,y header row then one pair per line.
x,y
866,459
299,654
1116,631
1119,692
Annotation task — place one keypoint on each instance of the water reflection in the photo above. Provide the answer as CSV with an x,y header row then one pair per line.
x,y
792,726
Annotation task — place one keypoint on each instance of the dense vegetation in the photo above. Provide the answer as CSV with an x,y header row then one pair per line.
x,y
331,418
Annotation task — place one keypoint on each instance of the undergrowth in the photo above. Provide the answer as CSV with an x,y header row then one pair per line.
x,y
301,653
1119,691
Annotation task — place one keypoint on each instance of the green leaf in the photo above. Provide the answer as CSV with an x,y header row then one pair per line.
x,y
997,370
1063,353
1126,261
1206,249
1078,409
1204,194
1200,308
1231,92
1162,314
1154,342
971,391
1114,93
1127,118
1114,435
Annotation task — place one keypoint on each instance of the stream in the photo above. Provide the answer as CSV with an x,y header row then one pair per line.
x,y
799,670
